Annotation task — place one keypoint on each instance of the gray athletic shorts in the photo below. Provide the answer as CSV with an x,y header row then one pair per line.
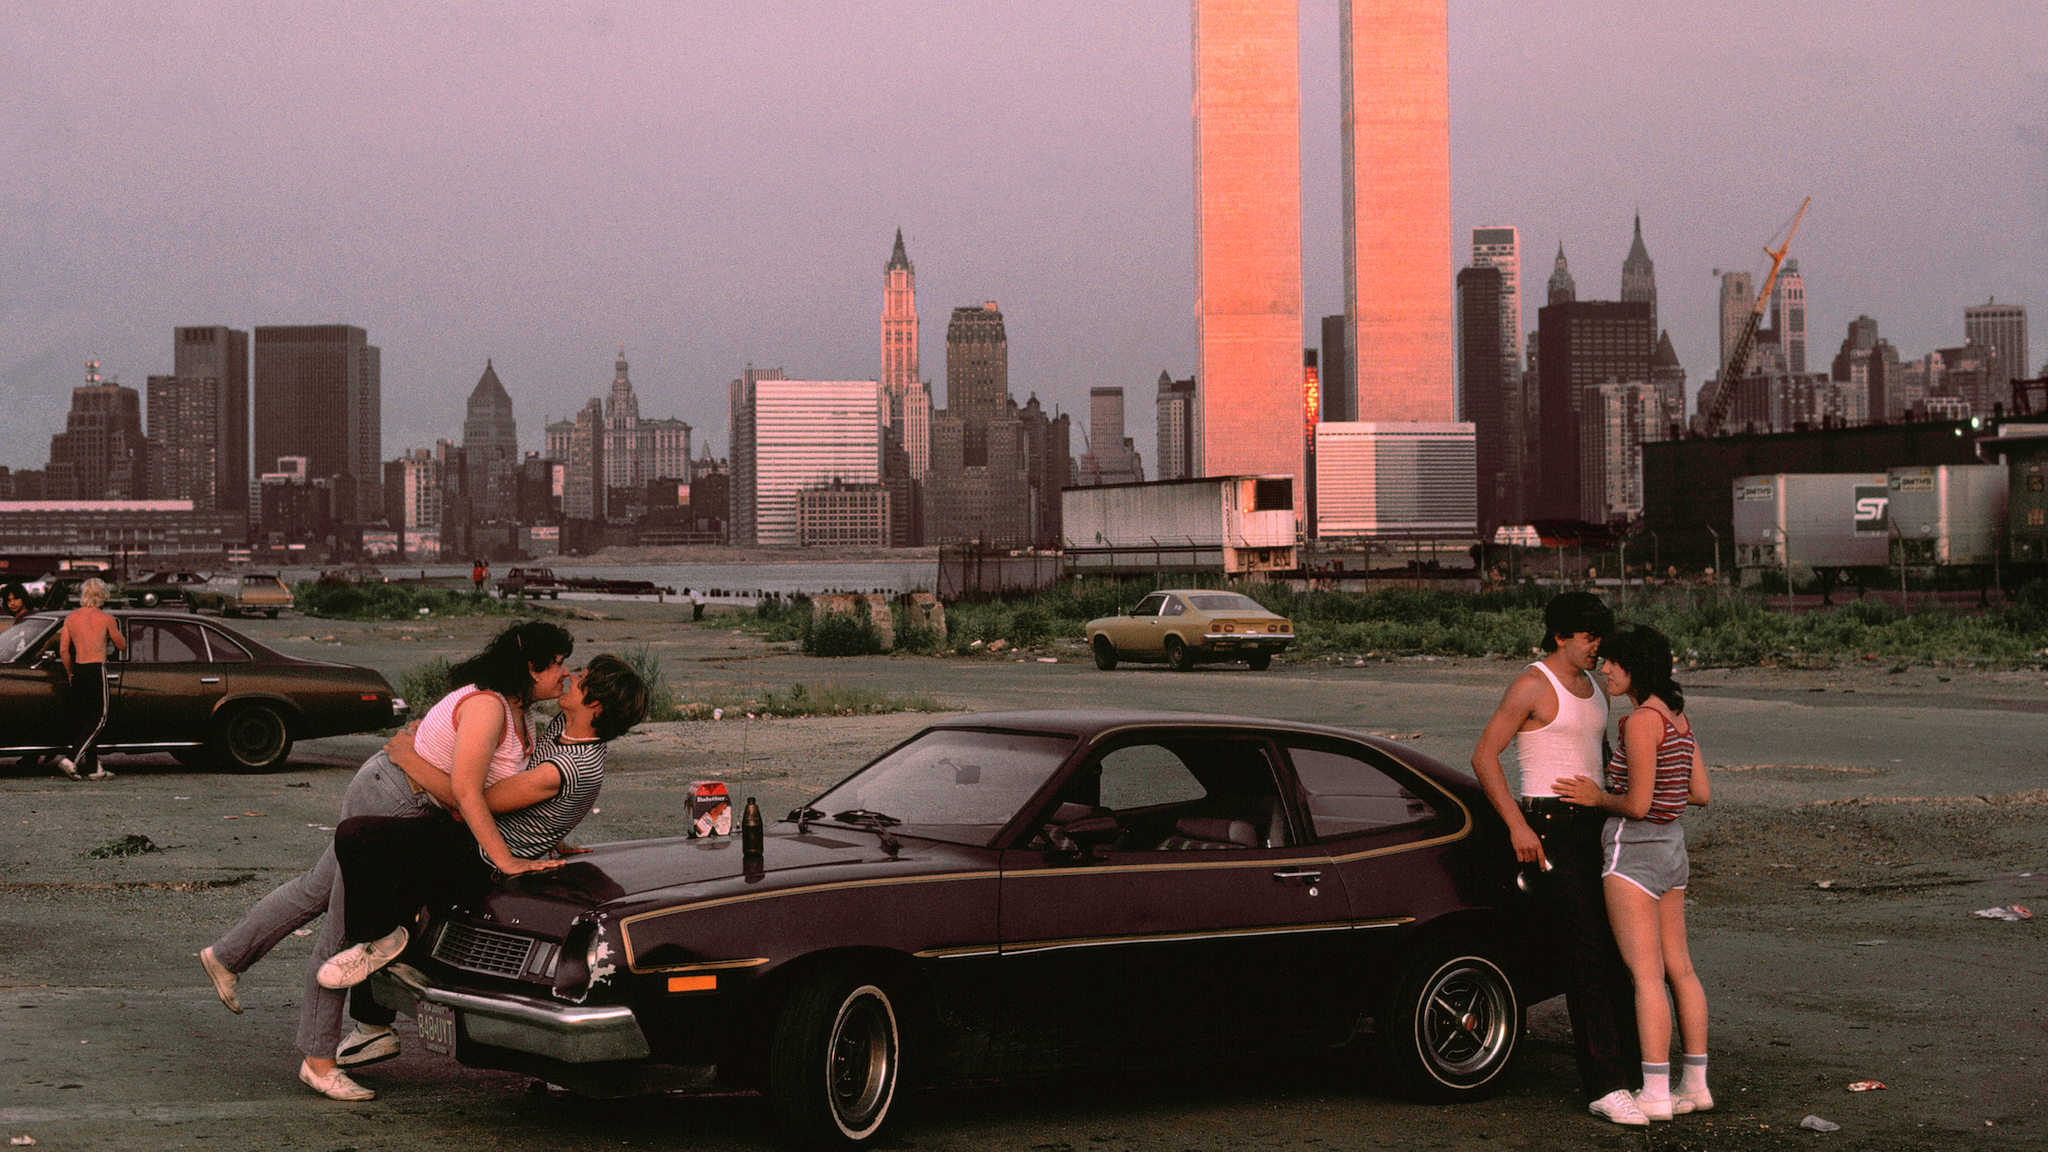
x,y
1649,856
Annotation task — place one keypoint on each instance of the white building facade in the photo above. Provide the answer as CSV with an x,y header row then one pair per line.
x,y
789,435
1409,480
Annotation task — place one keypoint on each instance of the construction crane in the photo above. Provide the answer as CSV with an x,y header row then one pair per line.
x,y
1738,356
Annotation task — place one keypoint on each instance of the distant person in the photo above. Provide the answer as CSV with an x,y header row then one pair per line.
x,y
696,603
479,572
1652,776
17,601
1555,713
82,644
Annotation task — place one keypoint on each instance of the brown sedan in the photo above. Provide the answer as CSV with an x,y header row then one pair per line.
x,y
196,689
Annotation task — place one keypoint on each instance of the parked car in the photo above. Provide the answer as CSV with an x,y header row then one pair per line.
x,y
196,689
238,593
1006,893
158,588
530,583
1189,626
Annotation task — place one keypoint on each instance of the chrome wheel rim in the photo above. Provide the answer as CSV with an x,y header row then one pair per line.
x,y
1465,1021
861,1061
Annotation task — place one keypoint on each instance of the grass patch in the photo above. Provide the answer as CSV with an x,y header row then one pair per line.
x,y
830,699
661,698
334,600
133,844
424,685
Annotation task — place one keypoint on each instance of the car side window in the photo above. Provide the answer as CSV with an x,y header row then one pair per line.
x,y
224,650
1150,605
1173,607
1146,776
165,642
1349,796
26,640
1203,791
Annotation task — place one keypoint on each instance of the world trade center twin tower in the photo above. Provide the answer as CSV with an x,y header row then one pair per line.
x,y
1398,322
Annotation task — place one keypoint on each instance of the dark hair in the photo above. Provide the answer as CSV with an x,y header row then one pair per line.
x,y
507,664
15,591
619,693
1645,655
1573,612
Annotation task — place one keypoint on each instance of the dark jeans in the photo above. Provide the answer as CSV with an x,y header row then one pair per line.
x,y
391,865
1598,992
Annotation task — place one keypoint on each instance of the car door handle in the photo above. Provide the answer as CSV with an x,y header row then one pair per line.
x,y
1305,875
114,677
209,679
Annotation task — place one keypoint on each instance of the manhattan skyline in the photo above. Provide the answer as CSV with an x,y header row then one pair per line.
x,y
710,187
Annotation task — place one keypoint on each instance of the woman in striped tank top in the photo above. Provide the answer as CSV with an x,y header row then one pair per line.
x,y
1655,772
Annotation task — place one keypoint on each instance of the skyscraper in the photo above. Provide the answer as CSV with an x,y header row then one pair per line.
x,y
221,355
1247,149
1562,289
1738,298
910,402
622,430
1788,316
996,469
1584,344
1111,458
184,431
1394,76
1483,387
1175,411
1500,246
319,394
1639,277
2003,329
584,490
100,455
1340,399
490,443
791,435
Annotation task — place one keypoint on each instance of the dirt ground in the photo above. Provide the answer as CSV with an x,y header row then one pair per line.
x,y
1861,816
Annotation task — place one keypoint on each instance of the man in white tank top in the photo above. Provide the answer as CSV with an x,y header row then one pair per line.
x,y
1555,714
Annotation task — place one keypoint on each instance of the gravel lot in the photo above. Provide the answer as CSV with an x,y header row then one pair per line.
x,y
1861,815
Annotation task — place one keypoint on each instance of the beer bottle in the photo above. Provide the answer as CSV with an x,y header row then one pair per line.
x,y
751,831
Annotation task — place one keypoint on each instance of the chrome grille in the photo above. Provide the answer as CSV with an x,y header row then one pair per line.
x,y
492,952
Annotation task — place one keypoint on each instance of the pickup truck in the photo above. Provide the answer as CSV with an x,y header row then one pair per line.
x,y
530,583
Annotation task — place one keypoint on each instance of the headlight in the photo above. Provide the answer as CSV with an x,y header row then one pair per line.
x,y
580,957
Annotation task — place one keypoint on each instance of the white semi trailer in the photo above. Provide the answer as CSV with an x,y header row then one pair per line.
x,y
1235,525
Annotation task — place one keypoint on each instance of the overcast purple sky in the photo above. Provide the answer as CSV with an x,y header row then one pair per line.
x,y
713,184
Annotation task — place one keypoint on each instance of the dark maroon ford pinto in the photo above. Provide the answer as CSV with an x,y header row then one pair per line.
x,y
1012,892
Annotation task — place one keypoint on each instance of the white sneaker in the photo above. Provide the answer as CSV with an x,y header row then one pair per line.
x,y
353,965
335,1085
1700,1101
69,768
102,774
367,1044
1658,1109
1620,1107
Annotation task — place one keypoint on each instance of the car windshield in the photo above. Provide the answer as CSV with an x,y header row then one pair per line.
x,y
1224,602
20,638
948,784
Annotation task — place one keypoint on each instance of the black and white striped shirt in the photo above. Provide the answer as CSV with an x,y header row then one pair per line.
x,y
530,833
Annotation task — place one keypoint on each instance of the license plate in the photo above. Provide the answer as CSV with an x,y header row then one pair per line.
x,y
437,1027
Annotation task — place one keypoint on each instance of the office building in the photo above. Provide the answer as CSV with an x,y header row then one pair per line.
x,y
841,515
1482,383
1788,316
1178,414
1615,420
1394,81
102,453
1583,344
789,435
318,393
1561,289
1407,480
490,445
1247,146
1738,299
910,398
996,469
1111,457
1667,376
584,492
1639,278
2001,328
1500,246
217,358
1340,398
183,440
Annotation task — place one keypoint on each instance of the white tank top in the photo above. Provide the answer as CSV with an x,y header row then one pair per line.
x,y
1567,746
435,740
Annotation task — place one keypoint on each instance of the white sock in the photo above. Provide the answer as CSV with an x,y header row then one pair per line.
x,y
1656,1081
1692,1073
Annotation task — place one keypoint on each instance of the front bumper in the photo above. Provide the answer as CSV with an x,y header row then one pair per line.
x,y
570,1033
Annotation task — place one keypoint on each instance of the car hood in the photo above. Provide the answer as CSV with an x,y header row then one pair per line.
x,y
633,876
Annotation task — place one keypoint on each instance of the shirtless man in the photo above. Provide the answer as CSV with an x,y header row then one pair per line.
x,y
82,643
1555,713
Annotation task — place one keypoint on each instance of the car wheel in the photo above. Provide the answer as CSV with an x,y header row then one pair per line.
x,y
253,738
1105,654
833,1066
1178,656
1260,661
1449,1028
149,599
193,757
272,613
